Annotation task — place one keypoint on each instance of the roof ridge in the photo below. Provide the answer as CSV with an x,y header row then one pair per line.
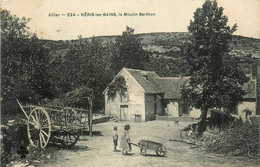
x,y
179,77
138,70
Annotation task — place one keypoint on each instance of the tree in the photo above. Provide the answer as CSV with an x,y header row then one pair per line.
x,y
86,64
117,85
129,52
23,63
167,67
216,78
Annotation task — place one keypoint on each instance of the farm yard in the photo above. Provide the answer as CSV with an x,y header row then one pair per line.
x,y
98,150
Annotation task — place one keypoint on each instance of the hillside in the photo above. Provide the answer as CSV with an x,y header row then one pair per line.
x,y
169,44
165,42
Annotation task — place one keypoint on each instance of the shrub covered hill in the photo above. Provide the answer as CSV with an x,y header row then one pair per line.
x,y
168,45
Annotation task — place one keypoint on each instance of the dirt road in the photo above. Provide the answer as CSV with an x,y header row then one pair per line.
x,y
97,151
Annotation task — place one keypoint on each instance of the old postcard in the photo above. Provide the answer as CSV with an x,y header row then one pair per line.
x,y
130,83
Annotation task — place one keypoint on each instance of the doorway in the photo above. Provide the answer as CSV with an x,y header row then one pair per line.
x,y
124,113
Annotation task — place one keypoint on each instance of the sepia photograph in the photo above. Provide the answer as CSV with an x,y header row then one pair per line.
x,y
130,83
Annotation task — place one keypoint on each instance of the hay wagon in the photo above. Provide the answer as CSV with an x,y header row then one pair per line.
x,y
54,124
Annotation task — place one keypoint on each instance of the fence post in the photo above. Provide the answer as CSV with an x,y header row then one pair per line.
x,y
80,123
90,116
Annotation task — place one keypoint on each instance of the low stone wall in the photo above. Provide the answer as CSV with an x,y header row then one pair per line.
x,y
100,120
186,119
166,118
171,118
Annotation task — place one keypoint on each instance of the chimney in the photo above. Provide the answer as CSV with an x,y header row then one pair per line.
x,y
144,74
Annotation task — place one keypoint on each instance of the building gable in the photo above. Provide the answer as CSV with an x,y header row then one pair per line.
x,y
130,81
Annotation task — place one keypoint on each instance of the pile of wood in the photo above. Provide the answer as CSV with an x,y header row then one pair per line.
x,y
235,139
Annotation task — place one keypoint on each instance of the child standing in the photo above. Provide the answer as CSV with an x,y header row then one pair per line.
x,y
125,140
115,138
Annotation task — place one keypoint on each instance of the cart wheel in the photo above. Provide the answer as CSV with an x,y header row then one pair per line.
x,y
141,151
144,152
70,133
69,137
161,151
39,127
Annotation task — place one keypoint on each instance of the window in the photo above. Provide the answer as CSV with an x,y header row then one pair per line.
x,y
124,95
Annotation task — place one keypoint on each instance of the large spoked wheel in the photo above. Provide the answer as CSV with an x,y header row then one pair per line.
x,y
71,133
69,137
39,127
161,151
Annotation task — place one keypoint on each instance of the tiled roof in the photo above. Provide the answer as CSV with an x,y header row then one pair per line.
x,y
172,86
147,79
152,83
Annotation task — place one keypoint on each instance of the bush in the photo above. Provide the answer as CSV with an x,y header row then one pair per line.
x,y
14,136
235,139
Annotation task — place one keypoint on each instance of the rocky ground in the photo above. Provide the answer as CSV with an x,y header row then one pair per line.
x,y
98,150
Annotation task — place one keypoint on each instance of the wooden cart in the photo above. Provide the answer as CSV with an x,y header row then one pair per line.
x,y
55,124
145,145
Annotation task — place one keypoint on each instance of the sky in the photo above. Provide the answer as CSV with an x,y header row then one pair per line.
x,y
165,16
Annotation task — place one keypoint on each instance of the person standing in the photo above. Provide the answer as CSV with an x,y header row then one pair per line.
x,y
115,138
125,143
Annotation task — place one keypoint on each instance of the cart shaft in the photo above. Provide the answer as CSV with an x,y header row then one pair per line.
x,y
22,109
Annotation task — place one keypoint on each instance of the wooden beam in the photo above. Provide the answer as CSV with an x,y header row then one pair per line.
x,y
60,107
57,110
77,109
22,109
47,108
90,116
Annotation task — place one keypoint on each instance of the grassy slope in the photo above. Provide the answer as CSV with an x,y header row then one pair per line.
x,y
168,45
